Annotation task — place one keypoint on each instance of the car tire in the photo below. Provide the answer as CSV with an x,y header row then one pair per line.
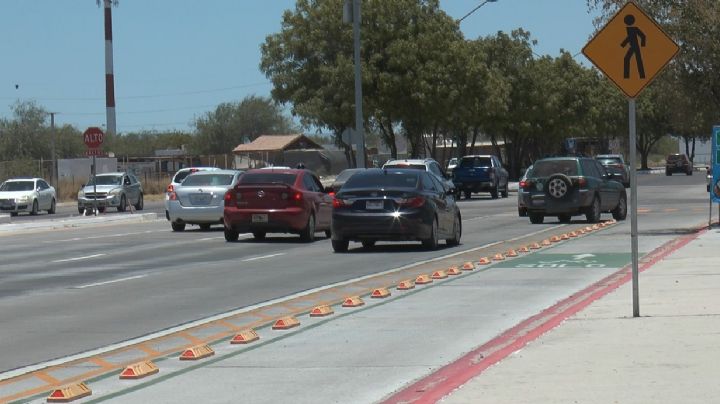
x,y
101,209
668,173
522,212
204,227
494,193
468,194
558,186
34,210
340,245
177,226
368,243
13,214
231,235
593,211
620,211
51,211
564,218
431,243
536,218
328,233
505,191
690,172
307,235
457,232
259,235
81,210
140,203
123,204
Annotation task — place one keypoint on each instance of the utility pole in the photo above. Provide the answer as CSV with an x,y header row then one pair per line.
x,y
351,13
109,76
54,174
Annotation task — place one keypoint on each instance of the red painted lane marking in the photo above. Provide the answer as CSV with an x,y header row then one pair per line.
x,y
433,387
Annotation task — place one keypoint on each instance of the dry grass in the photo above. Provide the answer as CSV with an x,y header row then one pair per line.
x,y
154,189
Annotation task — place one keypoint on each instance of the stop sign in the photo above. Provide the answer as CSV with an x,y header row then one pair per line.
x,y
93,137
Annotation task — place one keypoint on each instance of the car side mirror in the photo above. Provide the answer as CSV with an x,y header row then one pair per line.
x,y
82,185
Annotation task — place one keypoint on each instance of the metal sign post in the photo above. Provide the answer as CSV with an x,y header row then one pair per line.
x,y
715,171
633,210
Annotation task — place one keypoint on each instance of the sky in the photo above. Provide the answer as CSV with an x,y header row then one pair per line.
x,y
176,60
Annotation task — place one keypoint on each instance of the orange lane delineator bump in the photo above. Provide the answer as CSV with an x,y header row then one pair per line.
x,y
285,323
523,249
581,231
573,234
423,279
546,242
453,270
554,239
439,275
565,236
245,337
139,370
407,284
353,301
535,246
481,261
321,311
589,229
498,257
197,352
70,392
595,227
380,293
511,253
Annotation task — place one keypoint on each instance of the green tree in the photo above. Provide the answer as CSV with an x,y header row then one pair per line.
x,y
220,131
26,135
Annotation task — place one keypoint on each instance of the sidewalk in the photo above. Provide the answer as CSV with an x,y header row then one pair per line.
x,y
604,355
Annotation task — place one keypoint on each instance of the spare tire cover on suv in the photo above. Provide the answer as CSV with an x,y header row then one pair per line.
x,y
558,186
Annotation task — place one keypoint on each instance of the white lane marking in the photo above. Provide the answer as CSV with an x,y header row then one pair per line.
x,y
186,326
101,237
210,238
263,257
79,258
90,285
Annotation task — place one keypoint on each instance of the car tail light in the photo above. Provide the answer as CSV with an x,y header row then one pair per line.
x,y
580,182
170,188
414,202
331,194
340,203
526,184
172,196
230,198
297,196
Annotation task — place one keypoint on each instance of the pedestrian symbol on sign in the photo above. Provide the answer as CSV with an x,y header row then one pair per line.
x,y
633,33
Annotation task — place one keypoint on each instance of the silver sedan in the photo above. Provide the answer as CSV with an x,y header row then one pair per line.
x,y
199,199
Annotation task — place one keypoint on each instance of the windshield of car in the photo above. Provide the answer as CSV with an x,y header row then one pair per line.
x,y
208,180
546,168
106,180
406,165
470,162
344,175
13,186
267,178
382,180
609,160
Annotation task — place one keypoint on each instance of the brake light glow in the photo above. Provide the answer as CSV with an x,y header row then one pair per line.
x,y
170,188
297,196
229,198
340,203
526,184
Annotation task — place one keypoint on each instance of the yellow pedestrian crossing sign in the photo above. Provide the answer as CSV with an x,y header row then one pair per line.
x,y
631,49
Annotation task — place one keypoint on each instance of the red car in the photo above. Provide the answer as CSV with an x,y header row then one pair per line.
x,y
277,201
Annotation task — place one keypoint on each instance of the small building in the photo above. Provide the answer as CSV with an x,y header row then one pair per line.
x,y
280,150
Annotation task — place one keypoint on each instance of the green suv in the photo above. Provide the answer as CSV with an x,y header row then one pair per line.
x,y
569,186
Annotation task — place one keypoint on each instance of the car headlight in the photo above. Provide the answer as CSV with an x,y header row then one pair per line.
x,y
115,192
81,194
23,198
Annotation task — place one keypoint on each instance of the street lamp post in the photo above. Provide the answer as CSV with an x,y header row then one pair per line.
x,y
475,9
351,12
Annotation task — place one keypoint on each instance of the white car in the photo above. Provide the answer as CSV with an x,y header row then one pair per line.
x,y
27,195
177,179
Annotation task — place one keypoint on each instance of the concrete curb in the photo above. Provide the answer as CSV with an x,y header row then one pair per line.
x,y
78,221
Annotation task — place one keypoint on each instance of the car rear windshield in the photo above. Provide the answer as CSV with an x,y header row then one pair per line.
x,y
382,180
13,186
181,175
549,167
406,165
609,160
106,180
208,180
470,162
344,175
267,178
675,157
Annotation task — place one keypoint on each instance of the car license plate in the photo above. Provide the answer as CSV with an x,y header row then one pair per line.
x,y
374,205
260,218
200,199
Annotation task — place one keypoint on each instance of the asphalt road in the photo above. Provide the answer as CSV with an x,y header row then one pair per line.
x,y
65,292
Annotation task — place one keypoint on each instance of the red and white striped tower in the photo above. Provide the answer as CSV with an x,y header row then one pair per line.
x,y
109,77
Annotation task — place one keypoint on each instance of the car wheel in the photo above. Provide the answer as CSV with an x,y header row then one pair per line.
x,y
558,186
259,235
668,173
13,214
51,211
593,213
34,210
204,227
328,233
564,218
468,194
307,235
123,204
177,226
140,203
620,211
495,192
81,210
340,245
431,243
690,172
101,209
368,243
536,218
457,232
231,235
505,191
